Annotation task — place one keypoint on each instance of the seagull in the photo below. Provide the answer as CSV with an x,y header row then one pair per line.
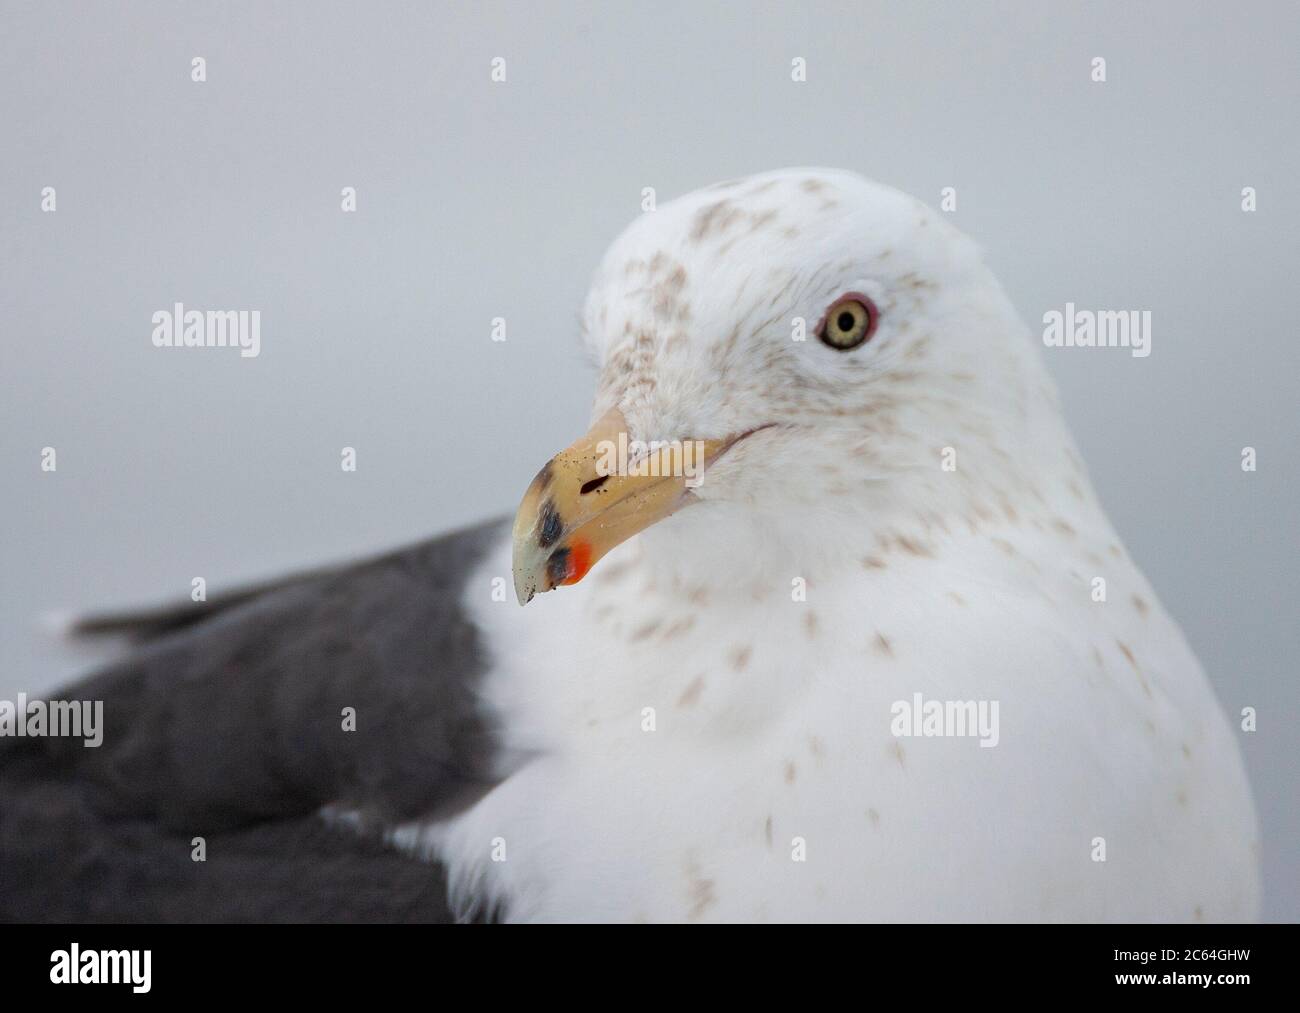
x,y
841,633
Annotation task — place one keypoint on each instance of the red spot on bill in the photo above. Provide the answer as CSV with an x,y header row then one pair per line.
x,y
579,562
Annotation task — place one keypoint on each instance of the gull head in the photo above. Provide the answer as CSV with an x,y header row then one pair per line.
x,y
802,357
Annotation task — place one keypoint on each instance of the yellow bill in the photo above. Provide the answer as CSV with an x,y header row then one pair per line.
x,y
597,494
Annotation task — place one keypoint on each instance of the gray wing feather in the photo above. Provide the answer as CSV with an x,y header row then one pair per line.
x,y
232,729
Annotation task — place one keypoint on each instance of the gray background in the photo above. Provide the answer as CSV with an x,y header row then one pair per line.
x,y
479,200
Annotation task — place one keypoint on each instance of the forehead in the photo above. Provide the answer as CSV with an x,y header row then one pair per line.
x,y
745,236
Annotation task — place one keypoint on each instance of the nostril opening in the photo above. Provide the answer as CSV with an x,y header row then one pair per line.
x,y
593,485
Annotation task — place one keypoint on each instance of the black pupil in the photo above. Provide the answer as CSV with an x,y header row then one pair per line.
x,y
845,321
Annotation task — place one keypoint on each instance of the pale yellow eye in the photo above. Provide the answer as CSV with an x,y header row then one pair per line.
x,y
848,324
